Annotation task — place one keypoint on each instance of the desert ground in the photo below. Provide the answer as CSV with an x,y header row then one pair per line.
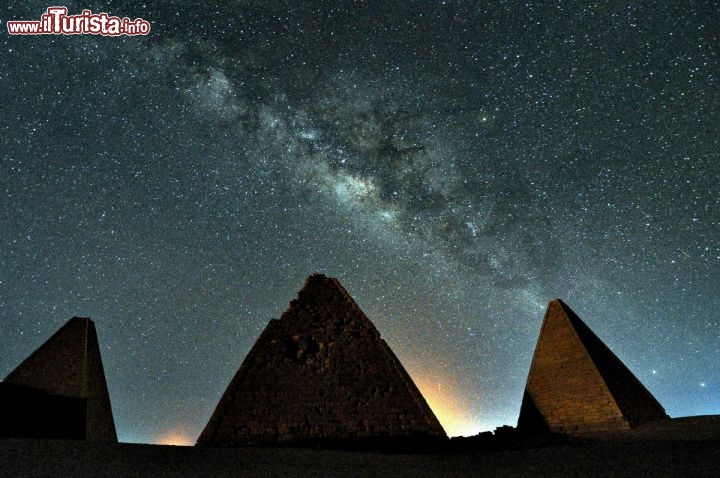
x,y
680,447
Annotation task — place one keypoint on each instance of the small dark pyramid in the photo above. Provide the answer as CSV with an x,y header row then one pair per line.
x,y
66,371
577,385
319,373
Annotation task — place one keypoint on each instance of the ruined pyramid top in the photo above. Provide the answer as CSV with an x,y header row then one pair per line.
x,y
323,300
321,371
319,289
68,364
577,384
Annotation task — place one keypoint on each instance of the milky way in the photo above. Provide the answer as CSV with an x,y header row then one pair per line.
x,y
455,166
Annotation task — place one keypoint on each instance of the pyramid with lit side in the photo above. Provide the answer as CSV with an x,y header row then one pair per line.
x,y
577,385
59,391
319,373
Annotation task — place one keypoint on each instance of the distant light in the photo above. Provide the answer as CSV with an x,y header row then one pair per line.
x,y
175,438
448,406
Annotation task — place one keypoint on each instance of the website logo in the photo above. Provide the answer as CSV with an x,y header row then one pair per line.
x,y
56,21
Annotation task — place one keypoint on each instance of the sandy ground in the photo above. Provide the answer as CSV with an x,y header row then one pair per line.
x,y
685,450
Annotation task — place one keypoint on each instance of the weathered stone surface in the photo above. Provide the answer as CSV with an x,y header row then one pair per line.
x,y
319,372
67,365
577,385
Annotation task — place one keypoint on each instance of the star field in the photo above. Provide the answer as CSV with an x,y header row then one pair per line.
x,y
455,165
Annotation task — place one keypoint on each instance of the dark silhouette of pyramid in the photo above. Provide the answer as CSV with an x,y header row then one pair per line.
x,y
66,375
577,385
321,373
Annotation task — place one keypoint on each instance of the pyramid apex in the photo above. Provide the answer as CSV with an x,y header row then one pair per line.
x,y
78,318
81,320
318,279
319,288
558,301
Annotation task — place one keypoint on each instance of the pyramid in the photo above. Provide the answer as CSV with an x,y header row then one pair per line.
x,y
576,385
320,373
66,375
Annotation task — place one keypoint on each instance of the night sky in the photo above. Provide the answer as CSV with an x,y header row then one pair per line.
x,y
455,165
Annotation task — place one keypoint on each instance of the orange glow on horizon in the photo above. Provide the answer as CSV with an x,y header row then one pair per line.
x,y
449,408
175,438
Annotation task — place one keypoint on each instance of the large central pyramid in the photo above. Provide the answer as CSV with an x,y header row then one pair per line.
x,y
319,372
577,385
